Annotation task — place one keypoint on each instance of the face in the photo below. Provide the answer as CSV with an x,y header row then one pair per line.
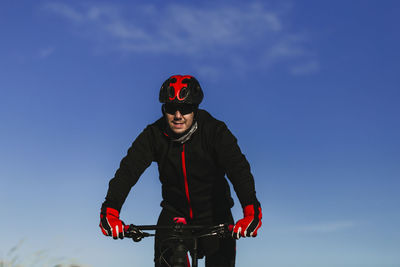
x,y
179,123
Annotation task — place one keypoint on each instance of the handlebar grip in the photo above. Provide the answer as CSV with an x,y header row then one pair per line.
x,y
133,232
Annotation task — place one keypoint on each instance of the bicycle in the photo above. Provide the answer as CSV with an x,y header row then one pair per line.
x,y
181,232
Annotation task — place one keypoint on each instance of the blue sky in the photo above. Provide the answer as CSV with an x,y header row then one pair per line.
x,y
310,89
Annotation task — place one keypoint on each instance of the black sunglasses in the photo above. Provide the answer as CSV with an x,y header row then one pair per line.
x,y
183,108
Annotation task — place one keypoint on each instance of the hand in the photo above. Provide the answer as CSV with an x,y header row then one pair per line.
x,y
251,222
110,224
180,220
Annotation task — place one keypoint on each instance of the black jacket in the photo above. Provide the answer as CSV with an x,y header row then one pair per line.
x,y
192,174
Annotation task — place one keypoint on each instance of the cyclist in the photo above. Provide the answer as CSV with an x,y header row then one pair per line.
x,y
194,152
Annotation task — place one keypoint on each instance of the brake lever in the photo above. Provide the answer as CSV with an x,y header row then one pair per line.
x,y
221,230
135,233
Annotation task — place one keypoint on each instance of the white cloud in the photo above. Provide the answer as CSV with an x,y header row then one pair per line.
x,y
287,46
234,32
66,11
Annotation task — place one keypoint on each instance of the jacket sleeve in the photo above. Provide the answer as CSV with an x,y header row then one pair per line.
x,y
139,157
235,164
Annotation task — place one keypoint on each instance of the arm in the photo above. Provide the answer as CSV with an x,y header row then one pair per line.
x,y
237,169
139,157
235,164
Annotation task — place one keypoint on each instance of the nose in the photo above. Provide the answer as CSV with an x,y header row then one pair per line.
x,y
178,115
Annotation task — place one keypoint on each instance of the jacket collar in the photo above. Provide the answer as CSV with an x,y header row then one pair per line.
x,y
183,137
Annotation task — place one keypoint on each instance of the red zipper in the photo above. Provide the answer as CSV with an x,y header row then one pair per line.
x,y
186,181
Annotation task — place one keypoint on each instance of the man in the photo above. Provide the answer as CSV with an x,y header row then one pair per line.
x,y
194,151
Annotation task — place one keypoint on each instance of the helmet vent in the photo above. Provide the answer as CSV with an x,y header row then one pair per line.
x,y
171,92
183,93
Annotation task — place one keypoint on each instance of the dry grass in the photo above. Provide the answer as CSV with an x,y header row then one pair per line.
x,y
41,258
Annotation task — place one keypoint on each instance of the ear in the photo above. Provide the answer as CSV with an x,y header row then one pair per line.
x,y
196,111
163,109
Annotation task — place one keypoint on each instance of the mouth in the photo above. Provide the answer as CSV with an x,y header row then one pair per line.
x,y
178,124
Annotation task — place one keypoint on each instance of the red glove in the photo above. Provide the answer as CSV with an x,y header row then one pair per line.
x,y
110,224
249,225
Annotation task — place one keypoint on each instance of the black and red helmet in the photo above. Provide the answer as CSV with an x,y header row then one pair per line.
x,y
181,89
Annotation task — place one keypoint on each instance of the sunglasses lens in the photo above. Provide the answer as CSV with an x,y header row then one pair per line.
x,y
183,108
186,109
170,109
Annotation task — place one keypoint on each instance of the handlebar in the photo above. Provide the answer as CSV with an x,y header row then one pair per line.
x,y
191,231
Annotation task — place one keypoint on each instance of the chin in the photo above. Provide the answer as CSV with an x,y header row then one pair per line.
x,y
178,131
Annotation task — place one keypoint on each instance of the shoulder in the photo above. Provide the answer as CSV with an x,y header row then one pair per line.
x,y
205,119
159,124
210,126
154,129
